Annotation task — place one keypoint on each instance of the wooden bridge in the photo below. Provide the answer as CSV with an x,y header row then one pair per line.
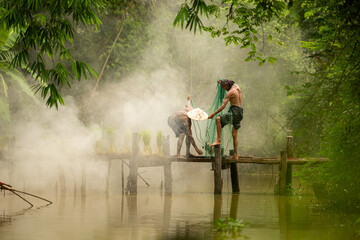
x,y
285,162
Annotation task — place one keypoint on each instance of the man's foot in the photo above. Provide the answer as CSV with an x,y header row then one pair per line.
x,y
217,142
235,157
180,156
200,152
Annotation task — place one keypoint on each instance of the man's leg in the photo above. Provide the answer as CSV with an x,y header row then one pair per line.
x,y
218,131
190,141
179,144
235,141
187,142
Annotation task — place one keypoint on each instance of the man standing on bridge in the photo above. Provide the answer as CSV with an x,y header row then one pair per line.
x,y
180,123
234,116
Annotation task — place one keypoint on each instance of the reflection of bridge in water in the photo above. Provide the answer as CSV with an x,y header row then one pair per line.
x,y
285,162
276,216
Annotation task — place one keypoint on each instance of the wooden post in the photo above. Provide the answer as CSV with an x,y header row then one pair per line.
x,y
62,181
122,177
133,165
290,154
83,180
217,170
282,173
108,179
167,166
234,178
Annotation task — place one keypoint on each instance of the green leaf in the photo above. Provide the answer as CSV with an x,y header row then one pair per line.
x,y
271,60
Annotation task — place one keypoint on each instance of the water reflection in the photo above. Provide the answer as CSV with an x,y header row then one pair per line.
x,y
152,216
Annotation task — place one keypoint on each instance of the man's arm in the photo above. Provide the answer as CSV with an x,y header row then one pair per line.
x,y
226,100
188,104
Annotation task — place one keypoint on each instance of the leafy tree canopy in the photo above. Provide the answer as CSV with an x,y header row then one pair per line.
x,y
45,31
241,21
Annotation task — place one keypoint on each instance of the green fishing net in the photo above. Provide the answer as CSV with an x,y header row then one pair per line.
x,y
205,131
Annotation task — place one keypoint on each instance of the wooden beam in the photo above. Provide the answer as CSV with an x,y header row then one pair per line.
x,y
157,161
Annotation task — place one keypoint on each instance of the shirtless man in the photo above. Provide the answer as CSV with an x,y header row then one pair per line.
x,y
234,115
180,123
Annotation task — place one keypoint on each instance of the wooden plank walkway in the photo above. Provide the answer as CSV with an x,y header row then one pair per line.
x,y
155,160
285,162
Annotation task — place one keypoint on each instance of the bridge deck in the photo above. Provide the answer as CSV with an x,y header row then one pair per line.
x,y
154,160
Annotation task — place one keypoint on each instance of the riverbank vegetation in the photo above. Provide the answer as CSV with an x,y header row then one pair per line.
x,y
296,61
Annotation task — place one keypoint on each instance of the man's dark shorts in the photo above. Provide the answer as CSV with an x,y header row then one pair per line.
x,y
234,116
178,126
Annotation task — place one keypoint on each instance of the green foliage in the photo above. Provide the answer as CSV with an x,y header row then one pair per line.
x,y
243,20
46,31
10,78
125,54
325,115
228,227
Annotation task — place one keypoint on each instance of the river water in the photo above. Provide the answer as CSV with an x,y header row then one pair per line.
x,y
185,215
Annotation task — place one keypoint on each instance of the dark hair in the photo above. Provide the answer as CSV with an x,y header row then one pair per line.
x,y
226,83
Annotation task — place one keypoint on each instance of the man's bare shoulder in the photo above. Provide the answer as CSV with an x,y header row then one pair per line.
x,y
236,87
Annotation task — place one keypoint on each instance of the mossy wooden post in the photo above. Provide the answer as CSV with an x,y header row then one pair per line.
x,y
217,170
133,164
290,154
282,173
167,166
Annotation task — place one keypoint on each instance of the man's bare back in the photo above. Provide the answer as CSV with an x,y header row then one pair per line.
x,y
234,95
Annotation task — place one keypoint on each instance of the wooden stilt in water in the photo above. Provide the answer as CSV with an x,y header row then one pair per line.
x,y
167,166
62,181
122,178
290,154
234,178
217,170
83,179
282,173
108,179
134,164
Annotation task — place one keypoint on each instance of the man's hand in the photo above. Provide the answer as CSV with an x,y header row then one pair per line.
x,y
211,116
